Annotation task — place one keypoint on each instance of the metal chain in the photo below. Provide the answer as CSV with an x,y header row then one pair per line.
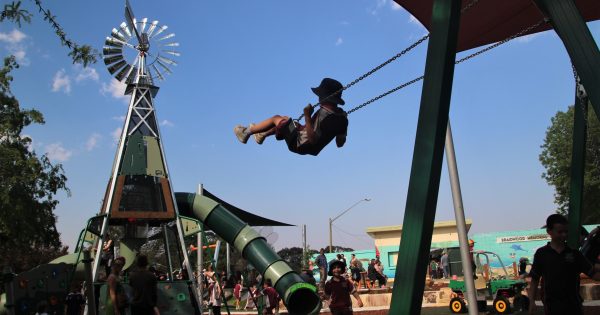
x,y
399,87
580,93
524,31
398,55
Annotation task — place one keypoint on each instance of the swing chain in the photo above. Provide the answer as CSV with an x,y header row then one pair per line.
x,y
399,87
524,31
362,77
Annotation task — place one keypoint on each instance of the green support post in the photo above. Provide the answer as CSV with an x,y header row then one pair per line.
x,y
578,40
577,166
421,201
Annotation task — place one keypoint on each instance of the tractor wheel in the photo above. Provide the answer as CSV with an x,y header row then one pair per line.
x,y
457,305
501,305
521,302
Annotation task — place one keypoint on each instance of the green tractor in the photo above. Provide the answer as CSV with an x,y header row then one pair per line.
x,y
500,288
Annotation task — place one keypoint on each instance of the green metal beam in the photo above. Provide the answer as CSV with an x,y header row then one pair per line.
x,y
576,36
577,167
421,201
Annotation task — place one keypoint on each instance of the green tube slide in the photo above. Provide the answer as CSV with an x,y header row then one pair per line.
x,y
298,296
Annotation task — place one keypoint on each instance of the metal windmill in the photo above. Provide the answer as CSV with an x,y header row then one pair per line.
x,y
139,206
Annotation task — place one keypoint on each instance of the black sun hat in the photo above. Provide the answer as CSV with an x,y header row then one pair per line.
x,y
327,88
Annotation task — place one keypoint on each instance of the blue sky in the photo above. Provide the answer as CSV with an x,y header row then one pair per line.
x,y
243,61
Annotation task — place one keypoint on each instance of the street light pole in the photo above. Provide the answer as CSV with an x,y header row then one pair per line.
x,y
337,217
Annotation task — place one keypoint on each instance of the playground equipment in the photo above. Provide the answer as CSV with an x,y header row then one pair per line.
x,y
141,214
487,22
500,287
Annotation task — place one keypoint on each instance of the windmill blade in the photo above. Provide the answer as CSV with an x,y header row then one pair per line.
x,y
114,68
152,27
167,37
160,30
143,27
112,59
111,51
164,66
125,29
160,76
167,60
116,34
113,42
123,73
172,52
171,45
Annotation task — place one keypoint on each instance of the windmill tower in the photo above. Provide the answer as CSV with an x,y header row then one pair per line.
x,y
139,205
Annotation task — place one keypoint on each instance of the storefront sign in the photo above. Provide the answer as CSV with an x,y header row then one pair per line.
x,y
523,238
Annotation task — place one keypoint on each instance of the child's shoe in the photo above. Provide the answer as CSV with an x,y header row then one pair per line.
x,y
242,133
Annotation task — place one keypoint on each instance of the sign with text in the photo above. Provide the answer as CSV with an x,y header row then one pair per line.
x,y
523,238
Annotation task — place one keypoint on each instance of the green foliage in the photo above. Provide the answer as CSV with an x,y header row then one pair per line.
x,y
83,54
556,158
293,256
28,186
13,12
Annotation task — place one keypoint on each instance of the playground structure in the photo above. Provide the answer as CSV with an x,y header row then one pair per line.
x,y
140,206
141,214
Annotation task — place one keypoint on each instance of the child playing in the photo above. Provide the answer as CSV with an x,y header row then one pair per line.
x,y
237,290
327,123
339,289
252,295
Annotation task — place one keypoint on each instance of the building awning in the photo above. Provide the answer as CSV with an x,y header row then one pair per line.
x,y
492,21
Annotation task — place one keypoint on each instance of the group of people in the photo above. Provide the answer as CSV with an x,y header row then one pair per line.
x,y
144,286
439,267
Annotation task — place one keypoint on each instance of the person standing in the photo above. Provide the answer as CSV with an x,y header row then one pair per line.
x,y
339,289
237,293
321,262
445,265
75,302
215,295
145,289
271,297
115,299
560,266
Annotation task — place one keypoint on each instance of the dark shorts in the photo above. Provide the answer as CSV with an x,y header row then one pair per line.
x,y
286,128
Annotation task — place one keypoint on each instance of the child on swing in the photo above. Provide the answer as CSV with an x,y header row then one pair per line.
x,y
327,123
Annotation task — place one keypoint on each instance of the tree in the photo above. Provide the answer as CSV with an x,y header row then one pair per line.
x,y
293,256
556,158
27,187
83,54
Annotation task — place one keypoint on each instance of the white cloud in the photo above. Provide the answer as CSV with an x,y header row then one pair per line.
x,y
339,41
61,81
413,20
92,141
119,118
167,123
395,6
378,5
345,23
527,38
115,89
87,73
15,47
116,134
57,152
13,37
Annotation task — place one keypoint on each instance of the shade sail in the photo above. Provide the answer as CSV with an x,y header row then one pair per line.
x,y
248,217
490,21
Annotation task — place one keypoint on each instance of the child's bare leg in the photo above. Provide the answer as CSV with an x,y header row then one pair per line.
x,y
267,125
